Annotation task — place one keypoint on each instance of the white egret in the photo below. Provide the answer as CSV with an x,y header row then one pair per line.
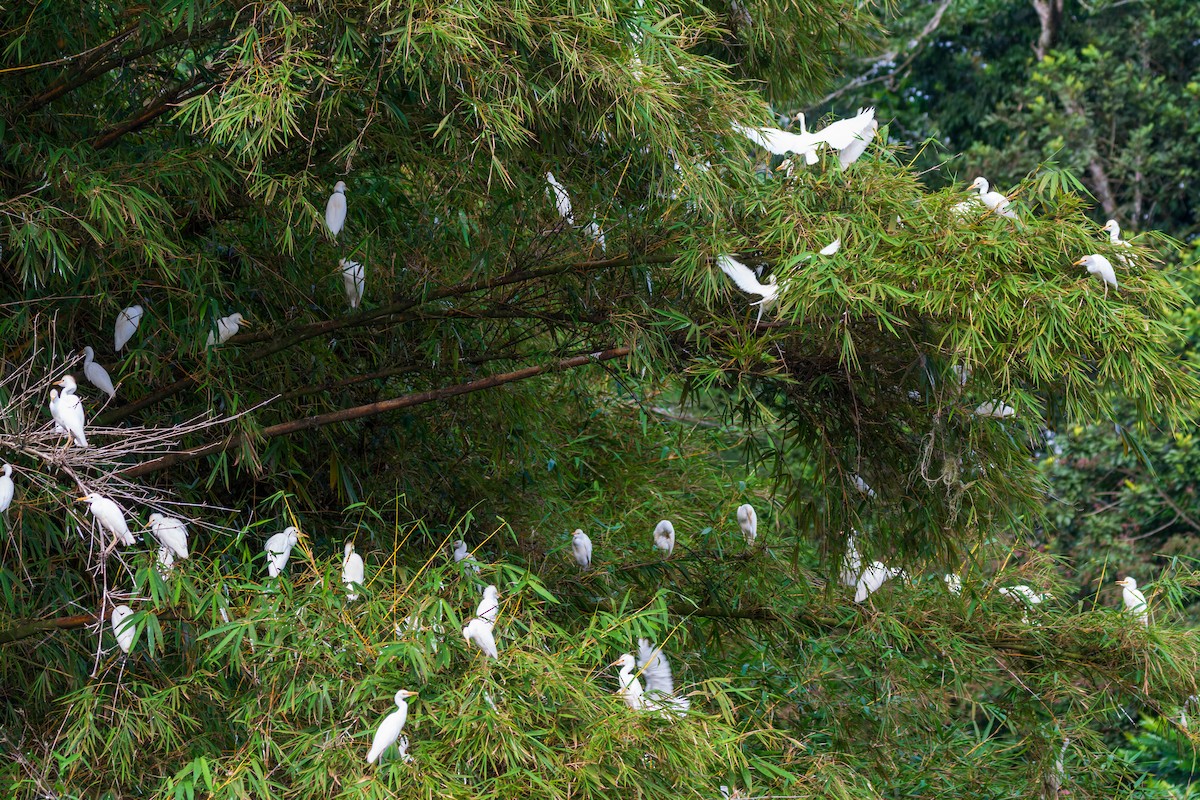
x,y
353,571
58,428
851,563
123,627
953,583
109,515
660,686
227,328
748,521
863,486
489,606
664,536
832,247
171,533
857,132
994,408
354,278
872,578
745,279
461,554
1099,265
781,143
166,561
7,488
127,325
335,209
1114,237
631,687
67,410
389,730
279,549
1135,601
596,233
995,201
581,543
480,632
96,374
562,200
1026,596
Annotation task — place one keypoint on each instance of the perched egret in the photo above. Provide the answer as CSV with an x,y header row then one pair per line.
x,y
850,136
748,522
994,408
781,143
353,571
995,201
745,279
1026,596
354,277
227,328
127,325
489,606
832,247
96,374
279,549
664,537
872,578
851,563
1114,237
461,554
171,533
631,687
58,428
123,627
660,686
67,410
166,561
562,200
1099,265
7,488
389,730
953,583
480,632
335,209
863,486
1135,601
109,515
581,543
593,230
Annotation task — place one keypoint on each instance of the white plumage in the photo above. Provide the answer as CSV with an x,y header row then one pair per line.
x,y
832,247
1026,596
279,550
171,533
227,328
461,554
745,279
96,374
863,486
581,544
748,522
851,563
335,209
660,686
7,488
850,136
109,515
630,687
781,142
67,410
480,632
953,583
994,408
664,536
562,200
489,606
127,325
166,561
354,279
1099,265
872,578
1135,601
593,230
1114,238
122,627
995,201
353,571
389,730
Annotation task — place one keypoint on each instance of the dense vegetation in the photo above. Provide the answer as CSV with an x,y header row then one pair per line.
x,y
514,373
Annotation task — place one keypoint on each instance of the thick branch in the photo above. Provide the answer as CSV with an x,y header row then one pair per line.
x,y
150,113
1050,15
370,409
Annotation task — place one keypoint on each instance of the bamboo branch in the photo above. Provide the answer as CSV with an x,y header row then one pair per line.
x,y
164,103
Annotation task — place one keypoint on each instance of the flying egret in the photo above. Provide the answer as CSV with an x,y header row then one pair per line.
x,y
748,522
127,325
745,279
631,687
664,537
227,328
1135,601
279,549
354,278
109,515
995,201
660,686
7,488
861,131
994,408
872,578
953,582
123,627
389,730
581,543
562,200
863,486
353,571
1099,265
489,606
96,374
67,410
461,554
781,143
171,533
851,562
480,632
335,209
832,247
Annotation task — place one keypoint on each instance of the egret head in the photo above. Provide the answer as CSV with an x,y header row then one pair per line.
x,y
53,394
238,319
664,528
577,534
491,593
7,470
89,355
349,549
403,695
981,184
68,384
292,535
624,662
1128,582
1094,263
339,187
156,518
88,498
1112,227
459,545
